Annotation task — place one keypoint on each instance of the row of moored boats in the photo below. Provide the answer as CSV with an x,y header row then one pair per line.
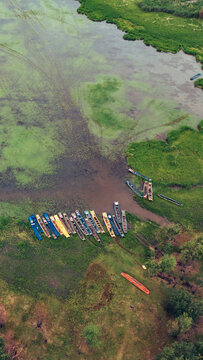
x,y
76,223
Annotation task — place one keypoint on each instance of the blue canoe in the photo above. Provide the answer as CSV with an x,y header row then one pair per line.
x,y
37,224
82,220
115,230
133,188
34,228
195,76
51,225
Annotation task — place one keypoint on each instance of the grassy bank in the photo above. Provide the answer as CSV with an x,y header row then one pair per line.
x,y
163,31
199,83
184,8
175,166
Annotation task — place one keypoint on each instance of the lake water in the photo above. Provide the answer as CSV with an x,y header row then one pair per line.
x,y
52,146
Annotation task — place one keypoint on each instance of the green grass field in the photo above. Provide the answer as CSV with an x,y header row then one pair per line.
x,y
52,290
163,31
176,169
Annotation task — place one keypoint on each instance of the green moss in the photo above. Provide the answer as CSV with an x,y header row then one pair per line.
x,y
199,83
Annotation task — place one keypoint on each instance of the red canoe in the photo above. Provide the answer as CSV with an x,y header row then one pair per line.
x,y
136,283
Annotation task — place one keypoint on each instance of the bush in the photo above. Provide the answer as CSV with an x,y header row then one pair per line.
x,y
192,250
180,325
92,334
167,263
4,220
181,301
3,355
184,8
182,351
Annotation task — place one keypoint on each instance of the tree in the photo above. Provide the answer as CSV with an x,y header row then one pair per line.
x,y
3,355
92,334
180,325
182,351
192,250
152,266
185,323
167,263
181,301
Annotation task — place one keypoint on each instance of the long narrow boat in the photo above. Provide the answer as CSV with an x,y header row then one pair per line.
x,y
145,190
67,227
97,222
77,229
108,225
56,225
42,225
150,192
91,221
133,188
79,224
51,225
124,222
117,211
175,202
195,76
115,230
33,217
69,224
34,228
82,221
92,230
61,226
136,283
48,228
118,226
138,174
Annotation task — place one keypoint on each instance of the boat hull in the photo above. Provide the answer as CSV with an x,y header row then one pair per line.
x,y
136,283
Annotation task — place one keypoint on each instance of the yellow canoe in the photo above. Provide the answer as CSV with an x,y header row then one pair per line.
x,y
108,225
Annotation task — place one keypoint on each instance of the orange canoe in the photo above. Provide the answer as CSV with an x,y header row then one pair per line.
x,y
136,283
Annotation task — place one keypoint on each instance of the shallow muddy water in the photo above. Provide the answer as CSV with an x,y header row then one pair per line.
x,y
62,76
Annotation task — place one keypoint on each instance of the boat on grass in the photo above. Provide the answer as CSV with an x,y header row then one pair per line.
x,y
124,222
118,226
117,211
108,224
113,225
150,192
91,221
34,228
51,225
175,202
97,222
76,228
61,226
48,228
138,174
145,190
133,188
69,224
82,221
136,283
42,225
95,235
